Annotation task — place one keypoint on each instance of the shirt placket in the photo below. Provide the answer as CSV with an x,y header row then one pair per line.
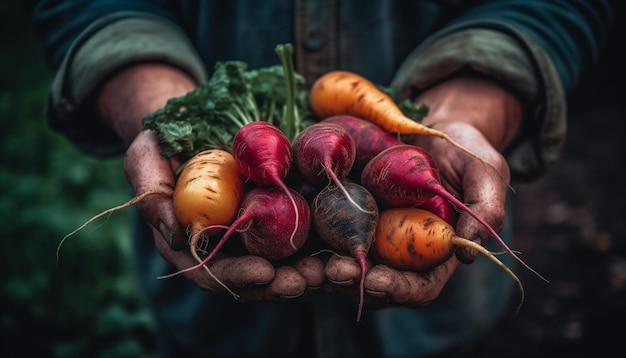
x,y
315,37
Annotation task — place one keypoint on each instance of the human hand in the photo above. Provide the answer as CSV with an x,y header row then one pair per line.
x,y
124,101
483,117
251,277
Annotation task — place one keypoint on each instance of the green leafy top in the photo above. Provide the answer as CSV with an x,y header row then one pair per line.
x,y
210,115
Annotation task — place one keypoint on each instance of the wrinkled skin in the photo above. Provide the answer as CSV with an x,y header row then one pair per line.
x,y
477,113
484,118
123,102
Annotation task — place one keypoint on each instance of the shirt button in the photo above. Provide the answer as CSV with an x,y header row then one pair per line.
x,y
313,40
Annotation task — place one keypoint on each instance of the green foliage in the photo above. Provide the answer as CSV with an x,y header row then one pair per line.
x,y
88,303
232,97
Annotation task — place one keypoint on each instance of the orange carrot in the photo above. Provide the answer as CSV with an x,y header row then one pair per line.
x,y
418,240
348,93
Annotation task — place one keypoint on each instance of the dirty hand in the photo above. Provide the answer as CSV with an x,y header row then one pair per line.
x,y
124,101
483,117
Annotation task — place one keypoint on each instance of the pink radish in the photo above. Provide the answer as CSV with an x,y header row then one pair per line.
x,y
441,207
406,175
369,139
263,155
322,151
344,228
269,218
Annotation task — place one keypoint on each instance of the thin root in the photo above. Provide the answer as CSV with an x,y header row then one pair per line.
x,y
131,202
459,241
193,245
333,177
332,252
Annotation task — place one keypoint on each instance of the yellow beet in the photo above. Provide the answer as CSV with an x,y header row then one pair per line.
x,y
208,191
207,195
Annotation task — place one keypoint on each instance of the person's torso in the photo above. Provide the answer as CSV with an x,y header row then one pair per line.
x,y
368,37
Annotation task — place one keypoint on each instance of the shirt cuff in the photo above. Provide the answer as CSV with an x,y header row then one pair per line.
x,y
514,60
109,44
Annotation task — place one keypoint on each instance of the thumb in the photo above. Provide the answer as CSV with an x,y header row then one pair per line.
x,y
147,171
467,227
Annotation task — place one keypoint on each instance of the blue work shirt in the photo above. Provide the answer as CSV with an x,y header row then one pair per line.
x,y
537,49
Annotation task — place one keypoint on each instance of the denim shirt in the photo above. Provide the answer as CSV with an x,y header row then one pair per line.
x,y
537,49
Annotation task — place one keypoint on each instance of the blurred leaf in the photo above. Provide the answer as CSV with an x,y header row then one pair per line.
x,y
88,305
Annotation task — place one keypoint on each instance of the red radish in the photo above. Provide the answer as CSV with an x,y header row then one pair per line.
x,y
441,207
265,217
263,154
344,228
322,151
265,234
406,175
369,139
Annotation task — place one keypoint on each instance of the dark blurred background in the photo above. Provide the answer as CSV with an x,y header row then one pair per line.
x,y
570,227
87,304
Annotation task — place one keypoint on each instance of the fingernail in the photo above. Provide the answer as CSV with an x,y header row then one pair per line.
x,y
165,232
292,296
342,283
377,294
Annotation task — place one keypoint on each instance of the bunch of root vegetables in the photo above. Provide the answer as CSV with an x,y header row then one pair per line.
x,y
347,181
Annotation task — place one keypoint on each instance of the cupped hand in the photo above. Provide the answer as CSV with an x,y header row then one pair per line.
x,y
250,278
478,185
385,286
125,99
483,117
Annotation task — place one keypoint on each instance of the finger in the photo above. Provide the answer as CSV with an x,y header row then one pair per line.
x,y
182,260
225,273
485,194
467,228
243,271
146,170
343,270
408,288
385,283
312,269
287,284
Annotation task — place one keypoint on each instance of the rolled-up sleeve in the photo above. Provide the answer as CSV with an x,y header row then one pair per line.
x,y
109,44
508,56
537,49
